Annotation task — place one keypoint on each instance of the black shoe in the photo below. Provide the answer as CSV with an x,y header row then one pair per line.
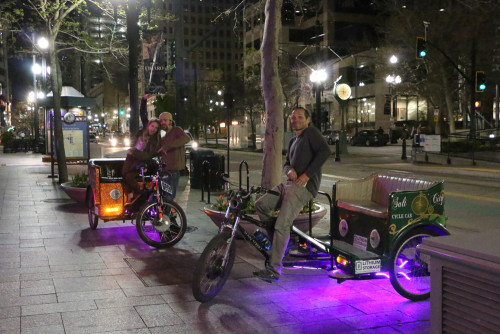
x,y
300,252
268,275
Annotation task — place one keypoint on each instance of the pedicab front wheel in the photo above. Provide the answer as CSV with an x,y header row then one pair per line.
x,y
161,227
213,267
409,269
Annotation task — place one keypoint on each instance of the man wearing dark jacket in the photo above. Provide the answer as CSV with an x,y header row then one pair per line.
x,y
307,152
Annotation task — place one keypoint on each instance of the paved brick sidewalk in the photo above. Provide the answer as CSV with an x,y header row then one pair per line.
x,y
58,276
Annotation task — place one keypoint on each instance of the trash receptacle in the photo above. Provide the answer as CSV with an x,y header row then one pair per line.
x,y
196,159
216,171
215,165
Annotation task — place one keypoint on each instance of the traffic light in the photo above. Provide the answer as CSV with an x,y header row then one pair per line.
x,y
421,48
480,81
477,104
122,112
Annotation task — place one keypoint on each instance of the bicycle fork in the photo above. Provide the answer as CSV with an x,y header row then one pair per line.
x,y
158,197
234,228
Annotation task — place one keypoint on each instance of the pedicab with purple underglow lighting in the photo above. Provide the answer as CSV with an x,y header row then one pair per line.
x,y
160,221
376,224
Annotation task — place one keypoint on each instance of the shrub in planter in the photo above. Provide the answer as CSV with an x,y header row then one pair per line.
x,y
7,141
80,180
217,210
221,205
76,189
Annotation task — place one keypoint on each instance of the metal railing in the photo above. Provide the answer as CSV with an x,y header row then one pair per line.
x,y
479,145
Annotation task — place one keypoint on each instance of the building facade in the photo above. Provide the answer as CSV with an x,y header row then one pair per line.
x,y
329,35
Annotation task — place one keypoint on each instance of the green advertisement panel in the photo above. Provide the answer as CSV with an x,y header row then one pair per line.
x,y
410,207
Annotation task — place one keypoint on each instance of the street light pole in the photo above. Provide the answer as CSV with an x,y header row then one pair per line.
x,y
317,77
35,104
118,111
43,44
356,82
393,80
318,105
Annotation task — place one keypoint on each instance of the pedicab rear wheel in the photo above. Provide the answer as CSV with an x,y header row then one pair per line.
x,y
93,218
409,271
211,271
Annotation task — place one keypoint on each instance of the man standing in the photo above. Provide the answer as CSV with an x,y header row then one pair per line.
x,y
307,152
172,148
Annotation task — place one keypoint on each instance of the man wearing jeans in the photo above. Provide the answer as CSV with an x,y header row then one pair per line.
x,y
307,152
172,149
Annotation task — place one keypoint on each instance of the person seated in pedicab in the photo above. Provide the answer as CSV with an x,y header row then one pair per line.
x,y
147,144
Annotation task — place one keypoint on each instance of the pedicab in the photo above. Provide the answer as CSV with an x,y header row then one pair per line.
x,y
376,224
160,221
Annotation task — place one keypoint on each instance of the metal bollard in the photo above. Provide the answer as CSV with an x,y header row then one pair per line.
x,y
403,154
337,150
206,181
244,163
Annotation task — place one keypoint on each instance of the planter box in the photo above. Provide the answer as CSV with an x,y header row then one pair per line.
x,y
301,222
465,282
76,194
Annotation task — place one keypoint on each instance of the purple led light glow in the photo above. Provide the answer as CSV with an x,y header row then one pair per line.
x,y
382,274
403,264
403,274
304,267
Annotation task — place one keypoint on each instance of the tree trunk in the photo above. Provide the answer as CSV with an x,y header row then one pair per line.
x,y
56,81
448,100
253,136
133,63
273,96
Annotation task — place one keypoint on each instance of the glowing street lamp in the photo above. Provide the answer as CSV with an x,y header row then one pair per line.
x,y
31,97
393,79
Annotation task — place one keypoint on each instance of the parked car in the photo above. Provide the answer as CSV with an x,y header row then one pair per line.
x,y
370,138
92,138
193,144
331,136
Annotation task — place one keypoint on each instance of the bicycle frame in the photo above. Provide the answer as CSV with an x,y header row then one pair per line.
x,y
234,213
